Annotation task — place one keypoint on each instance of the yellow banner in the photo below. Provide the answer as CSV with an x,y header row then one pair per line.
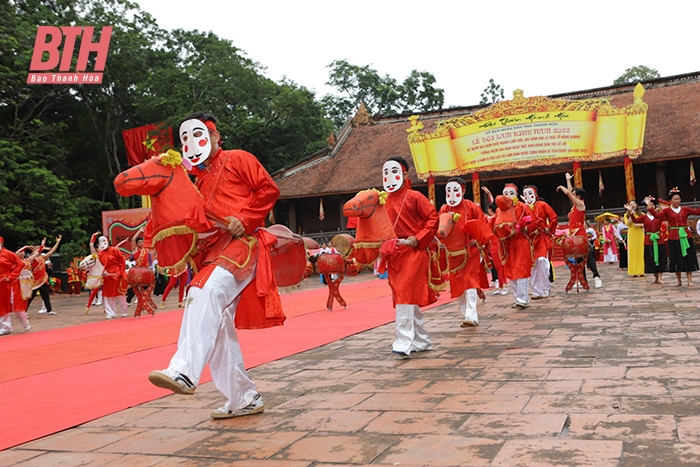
x,y
529,132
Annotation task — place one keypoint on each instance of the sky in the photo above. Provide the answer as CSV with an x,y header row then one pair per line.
x,y
542,47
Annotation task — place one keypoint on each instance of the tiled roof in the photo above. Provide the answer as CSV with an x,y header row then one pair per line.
x,y
672,132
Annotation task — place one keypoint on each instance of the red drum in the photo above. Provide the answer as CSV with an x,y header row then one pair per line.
x,y
575,246
343,243
330,263
351,268
141,275
288,256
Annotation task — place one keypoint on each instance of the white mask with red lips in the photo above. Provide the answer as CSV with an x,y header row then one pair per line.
x,y
530,196
453,194
196,144
102,243
392,176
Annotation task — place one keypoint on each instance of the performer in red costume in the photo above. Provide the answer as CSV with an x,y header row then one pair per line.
x,y
235,279
114,284
415,223
655,258
10,268
577,221
516,251
681,248
541,232
465,276
41,276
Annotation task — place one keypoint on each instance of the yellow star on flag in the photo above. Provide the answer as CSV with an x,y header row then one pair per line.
x,y
150,144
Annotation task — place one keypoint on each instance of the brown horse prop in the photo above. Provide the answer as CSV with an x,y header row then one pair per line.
x,y
373,226
173,196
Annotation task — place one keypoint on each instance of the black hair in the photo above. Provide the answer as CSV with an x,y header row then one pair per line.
x,y
139,238
401,161
459,180
203,116
580,192
493,207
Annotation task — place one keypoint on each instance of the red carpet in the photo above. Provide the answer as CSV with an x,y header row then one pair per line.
x,y
58,379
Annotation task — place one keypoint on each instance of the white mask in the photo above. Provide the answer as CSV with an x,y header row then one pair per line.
x,y
102,243
453,193
196,145
392,174
530,196
510,192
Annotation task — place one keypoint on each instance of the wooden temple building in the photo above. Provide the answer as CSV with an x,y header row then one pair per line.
x,y
324,181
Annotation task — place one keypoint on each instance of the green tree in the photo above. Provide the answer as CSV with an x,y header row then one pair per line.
x,y
380,94
637,74
492,93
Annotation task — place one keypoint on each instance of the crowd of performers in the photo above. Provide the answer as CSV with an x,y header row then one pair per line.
x,y
517,247
27,273
234,285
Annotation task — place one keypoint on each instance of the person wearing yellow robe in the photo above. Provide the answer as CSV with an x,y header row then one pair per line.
x,y
635,243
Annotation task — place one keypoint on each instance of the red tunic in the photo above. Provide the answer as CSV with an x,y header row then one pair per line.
x,y
39,271
10,267
675,220
543,228
114,283
470,274
516,249
412,215
577,219
141,258
651,226
236,184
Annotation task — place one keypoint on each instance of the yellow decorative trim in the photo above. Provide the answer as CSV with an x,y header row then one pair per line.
x,y
456,217
171,158
181,265
251,242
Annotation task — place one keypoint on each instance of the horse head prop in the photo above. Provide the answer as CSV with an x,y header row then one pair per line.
x,y
373,226
173,194
91,263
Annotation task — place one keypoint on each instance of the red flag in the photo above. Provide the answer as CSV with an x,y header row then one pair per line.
x,y
146,141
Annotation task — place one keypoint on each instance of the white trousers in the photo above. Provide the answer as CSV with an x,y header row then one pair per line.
x,y
520,290
5,324
467,305
208,336
539,277
114,305
411,335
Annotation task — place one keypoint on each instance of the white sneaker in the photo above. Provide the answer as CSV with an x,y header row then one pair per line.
x,y
504,291
598,282
545,294
42,311
50,312
254,407
496,292
173,381
27,328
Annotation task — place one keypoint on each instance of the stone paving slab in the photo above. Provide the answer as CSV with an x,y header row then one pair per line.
x,y
609,377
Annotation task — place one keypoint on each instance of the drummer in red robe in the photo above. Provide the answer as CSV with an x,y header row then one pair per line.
x,y
234,279
415,222
465,281
114,284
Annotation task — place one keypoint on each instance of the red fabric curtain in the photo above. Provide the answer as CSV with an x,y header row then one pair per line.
x,y
146,141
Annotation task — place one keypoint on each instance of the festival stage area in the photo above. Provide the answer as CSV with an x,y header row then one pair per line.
x,y
607,377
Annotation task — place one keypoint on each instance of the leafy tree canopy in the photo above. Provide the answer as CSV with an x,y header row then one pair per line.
x,y
380,94
637,74
492,93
